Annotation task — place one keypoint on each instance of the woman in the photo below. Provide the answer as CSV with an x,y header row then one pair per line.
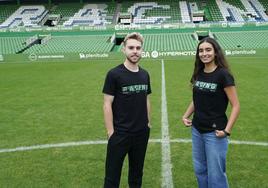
x,y
213,87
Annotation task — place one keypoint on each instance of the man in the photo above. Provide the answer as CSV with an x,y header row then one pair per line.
x,y
126,115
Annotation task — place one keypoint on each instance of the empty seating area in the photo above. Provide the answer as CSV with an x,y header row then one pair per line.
x,y
251,10
6,11
144,12
230,12
58,44
260,10
264,3
148,12
163,42
214,11
236,3
174,11
138,10
73,44
66,9
243,39
111,9
89,15
10,45
171,12
27,16
169,42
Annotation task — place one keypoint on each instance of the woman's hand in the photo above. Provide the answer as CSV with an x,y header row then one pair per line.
x,y
187,122
222,133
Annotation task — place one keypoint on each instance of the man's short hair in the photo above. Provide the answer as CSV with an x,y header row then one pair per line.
x,y
135,35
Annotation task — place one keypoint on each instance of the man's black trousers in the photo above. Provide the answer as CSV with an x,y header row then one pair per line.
x,y
119,145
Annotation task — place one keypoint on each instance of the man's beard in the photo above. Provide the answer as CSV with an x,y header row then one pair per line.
x,y
134,62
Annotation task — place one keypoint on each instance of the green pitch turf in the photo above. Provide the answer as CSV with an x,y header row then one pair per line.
x,y
50,103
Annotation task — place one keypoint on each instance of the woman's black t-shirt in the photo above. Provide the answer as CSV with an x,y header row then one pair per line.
x,y
210,100
130,90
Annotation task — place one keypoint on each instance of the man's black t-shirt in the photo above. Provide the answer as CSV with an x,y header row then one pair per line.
x,y
210,100
130,90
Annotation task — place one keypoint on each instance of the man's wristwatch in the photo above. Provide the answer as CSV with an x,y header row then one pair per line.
x,y
226,133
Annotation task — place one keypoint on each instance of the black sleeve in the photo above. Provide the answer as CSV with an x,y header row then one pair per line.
x,y
109,86
149,91
228,79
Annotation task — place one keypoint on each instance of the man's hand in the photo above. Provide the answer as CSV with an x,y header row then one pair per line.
x,y
149,125
110,133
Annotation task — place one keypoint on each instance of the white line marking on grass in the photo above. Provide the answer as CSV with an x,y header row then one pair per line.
x,y
59,145
167,180
180,140
235,142
248,143
100,142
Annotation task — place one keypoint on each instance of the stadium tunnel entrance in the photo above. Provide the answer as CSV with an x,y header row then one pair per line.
x,y
118,39
202,34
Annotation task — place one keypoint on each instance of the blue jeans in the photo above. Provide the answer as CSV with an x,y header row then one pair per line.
x,y
209,159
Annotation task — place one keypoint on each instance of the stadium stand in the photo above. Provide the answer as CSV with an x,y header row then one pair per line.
x,y
66,44
185,13
151,12
170,42
65,10
111,12
90,14
27,16
236,3
214,11
243,39
264,3
230,12
172,23
10,45
172,14
138,10
6,11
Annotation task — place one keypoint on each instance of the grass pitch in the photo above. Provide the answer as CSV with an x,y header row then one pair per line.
x,y
48,103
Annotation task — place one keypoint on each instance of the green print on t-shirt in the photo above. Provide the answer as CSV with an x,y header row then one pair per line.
x,y
206,86
134,88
